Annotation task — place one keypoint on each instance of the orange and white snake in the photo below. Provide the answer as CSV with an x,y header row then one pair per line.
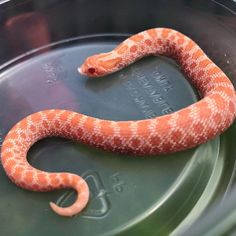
x,y
181,130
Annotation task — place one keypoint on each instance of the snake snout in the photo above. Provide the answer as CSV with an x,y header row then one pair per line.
x,y
90,71
80,71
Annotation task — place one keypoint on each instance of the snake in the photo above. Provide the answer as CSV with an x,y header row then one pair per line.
x,y
186,128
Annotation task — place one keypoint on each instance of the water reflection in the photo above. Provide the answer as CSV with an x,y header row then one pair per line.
x,y
26,31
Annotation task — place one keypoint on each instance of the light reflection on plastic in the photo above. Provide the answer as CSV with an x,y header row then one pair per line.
x,y
4,1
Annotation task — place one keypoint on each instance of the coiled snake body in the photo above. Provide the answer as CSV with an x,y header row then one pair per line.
x,y
180,130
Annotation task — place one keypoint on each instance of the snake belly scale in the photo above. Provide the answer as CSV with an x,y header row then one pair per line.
x,y
183,129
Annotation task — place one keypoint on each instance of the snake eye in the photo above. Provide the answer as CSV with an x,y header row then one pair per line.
x,y
91,70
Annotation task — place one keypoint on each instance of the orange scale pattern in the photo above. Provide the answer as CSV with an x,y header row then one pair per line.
x,y
186,128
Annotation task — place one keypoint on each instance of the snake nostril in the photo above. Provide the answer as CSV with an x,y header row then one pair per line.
x,y
91,70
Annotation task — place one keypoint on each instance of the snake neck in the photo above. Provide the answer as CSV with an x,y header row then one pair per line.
x,y
146,43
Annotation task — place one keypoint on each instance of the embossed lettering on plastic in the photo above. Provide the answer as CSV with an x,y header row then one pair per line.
x,y
140,101
156,97
2,133
117,183
52,70
162,80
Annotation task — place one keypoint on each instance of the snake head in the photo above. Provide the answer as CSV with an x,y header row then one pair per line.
x,y
91,67
100,65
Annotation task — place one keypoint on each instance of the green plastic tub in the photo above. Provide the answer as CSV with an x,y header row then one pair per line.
x,y
42,44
